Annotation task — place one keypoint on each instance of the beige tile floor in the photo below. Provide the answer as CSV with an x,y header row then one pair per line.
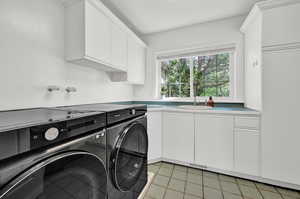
x,y
179,182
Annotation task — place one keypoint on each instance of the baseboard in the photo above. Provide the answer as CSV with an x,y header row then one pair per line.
x,y
155,160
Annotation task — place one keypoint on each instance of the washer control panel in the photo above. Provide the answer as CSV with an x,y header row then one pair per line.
x,y
43,135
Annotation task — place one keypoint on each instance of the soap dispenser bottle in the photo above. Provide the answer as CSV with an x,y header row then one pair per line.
x,y
210,102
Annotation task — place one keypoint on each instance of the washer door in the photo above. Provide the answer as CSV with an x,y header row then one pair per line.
x,y
129,157
72,175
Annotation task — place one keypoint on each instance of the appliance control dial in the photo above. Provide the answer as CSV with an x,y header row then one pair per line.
x,y
51,134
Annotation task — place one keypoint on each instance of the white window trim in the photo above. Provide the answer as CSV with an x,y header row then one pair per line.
x,y
219,48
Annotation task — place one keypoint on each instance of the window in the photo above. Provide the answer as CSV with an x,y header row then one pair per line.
x,y
204,74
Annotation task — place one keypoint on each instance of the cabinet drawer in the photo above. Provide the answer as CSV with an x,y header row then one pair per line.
x,y
247,122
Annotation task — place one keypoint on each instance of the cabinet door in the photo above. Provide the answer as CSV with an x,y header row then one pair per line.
x,y
214,141
141,64
178,136
280,134
247,151
97,34
154,135
119,48
136,62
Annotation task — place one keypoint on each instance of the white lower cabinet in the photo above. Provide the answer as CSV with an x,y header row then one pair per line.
x,y
214,141
178,136
154,120
220,142
247,151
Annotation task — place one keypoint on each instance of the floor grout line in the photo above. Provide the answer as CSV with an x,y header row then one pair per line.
x,y
259,191
238,185
220,184
169,181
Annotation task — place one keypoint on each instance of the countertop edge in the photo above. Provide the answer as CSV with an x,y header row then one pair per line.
x,y
228,112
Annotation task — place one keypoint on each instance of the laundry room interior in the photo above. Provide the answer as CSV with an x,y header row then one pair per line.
x,y
139,99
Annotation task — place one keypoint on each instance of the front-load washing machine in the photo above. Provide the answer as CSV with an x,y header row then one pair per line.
x,y
60,158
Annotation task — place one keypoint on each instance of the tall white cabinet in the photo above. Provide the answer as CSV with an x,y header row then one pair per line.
x,y
95,37
276,35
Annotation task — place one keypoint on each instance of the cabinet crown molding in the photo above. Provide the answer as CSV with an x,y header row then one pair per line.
x,y
261,6
269,4
282,47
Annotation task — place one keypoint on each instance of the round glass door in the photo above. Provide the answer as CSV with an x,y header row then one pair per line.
x,y
74,175
129,156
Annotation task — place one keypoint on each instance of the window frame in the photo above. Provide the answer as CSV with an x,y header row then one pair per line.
x,y
211,51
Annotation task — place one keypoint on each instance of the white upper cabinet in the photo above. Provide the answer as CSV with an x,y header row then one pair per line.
x,y
97,33
95,37
214,141
88,35
141,65
136,62
118,47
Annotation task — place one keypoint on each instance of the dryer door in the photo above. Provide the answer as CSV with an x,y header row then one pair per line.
x,y
129,158
72,175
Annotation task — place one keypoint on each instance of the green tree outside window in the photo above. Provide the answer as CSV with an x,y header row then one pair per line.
x,y
210,75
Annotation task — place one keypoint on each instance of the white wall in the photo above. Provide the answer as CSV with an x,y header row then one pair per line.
x,y
32,57
200,35
253,85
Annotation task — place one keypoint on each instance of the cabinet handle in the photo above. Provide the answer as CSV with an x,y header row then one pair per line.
x,y
117,115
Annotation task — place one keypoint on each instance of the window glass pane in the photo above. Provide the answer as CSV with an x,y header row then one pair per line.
x,y
175,78
210,76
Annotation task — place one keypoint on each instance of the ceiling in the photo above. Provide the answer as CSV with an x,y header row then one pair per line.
x,y
148,16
